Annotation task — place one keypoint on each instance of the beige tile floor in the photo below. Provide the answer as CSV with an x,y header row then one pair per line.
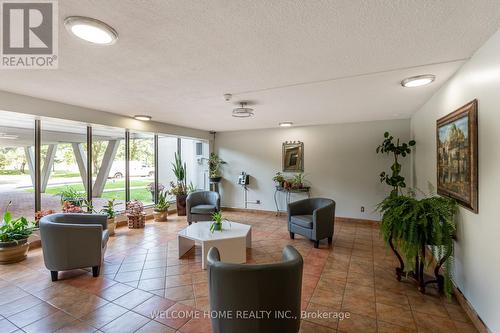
x,y
142,274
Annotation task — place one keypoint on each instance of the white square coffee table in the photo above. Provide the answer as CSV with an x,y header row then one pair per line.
x,y
231,242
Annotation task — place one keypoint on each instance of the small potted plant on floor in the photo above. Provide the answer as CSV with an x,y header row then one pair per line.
x,y
109,210
14,235
135,214
217,220
160,211
179,189
214,165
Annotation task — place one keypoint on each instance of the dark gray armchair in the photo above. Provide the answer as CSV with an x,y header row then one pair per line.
x,y
201,205
71,241
312,218
274,288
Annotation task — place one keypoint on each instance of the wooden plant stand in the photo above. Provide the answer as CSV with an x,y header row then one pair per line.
x,y
418,274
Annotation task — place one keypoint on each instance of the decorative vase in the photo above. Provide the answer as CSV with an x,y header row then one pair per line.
x,y
111,226
160,215
218,226
14,251
136,221
180,201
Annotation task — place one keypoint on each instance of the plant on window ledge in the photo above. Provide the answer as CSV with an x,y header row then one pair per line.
x,y
14,235
109,210
214,165
160,211
135,214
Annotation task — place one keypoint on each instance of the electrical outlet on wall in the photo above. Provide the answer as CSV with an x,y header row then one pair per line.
x,y
362,209
257,202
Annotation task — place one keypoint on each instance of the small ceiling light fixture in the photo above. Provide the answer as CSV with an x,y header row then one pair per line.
x,y
243,111
142,117
91,30
286,124
418,81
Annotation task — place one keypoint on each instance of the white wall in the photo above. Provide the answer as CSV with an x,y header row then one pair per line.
x,y
340,163
477,251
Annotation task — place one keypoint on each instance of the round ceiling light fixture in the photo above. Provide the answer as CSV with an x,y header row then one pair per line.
x,y
91,30
418,81
286,124
243,111
142,117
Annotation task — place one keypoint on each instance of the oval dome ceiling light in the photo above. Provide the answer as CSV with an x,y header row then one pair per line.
x,y
418,81
91,30
142,117
243,111
286,124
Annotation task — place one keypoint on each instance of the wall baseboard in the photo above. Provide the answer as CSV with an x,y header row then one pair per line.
x,y
469,310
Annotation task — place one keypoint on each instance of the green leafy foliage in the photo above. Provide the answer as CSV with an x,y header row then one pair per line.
x,y
71,195
217,219
413,224
109,209
15,229
394,179
214,165
179,169
163,203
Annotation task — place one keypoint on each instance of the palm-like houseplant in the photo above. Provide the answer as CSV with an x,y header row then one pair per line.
x,y
179,189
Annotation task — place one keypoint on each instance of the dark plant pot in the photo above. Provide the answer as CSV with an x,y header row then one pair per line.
x,y
180,200
215,179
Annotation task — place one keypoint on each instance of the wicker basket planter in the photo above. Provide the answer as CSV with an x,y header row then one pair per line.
x,y
136,221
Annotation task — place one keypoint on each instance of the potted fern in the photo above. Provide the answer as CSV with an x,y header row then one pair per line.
x,y
410,226
14,235
160,211
109,210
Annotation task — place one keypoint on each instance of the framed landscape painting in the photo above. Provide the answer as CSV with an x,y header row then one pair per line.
x,y
457,156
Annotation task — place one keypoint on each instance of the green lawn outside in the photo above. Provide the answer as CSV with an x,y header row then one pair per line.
x,y
141,194
54,174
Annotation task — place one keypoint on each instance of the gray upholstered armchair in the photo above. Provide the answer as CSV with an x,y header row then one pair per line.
x,y
201,205
275,288
312,218
71,241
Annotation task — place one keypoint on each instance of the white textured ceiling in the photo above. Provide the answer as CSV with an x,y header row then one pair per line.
x,y
300,61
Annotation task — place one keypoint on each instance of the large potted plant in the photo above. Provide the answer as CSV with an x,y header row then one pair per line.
x,y
410,226
179,189
109,210
14,235
160,211
135,214
214,166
